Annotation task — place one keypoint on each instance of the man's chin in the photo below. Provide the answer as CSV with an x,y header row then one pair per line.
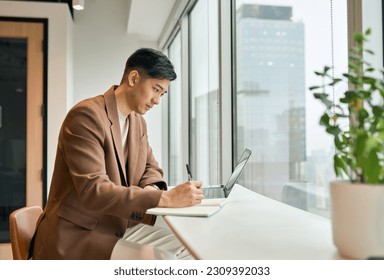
x,y
142,112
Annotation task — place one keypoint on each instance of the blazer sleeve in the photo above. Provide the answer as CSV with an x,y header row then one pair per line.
x,y
82,145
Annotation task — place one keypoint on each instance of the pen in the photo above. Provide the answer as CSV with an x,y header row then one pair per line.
x,y
190,178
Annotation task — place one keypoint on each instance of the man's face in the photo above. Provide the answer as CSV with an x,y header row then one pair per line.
x,y
147,93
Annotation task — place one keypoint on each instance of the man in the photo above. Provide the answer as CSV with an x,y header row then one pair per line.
x,y
105,175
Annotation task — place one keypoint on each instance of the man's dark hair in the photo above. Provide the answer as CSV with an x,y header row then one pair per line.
x,y
150,63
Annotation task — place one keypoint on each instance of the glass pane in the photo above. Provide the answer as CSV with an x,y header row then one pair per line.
x,y
204,118
279,45
13,71
176,167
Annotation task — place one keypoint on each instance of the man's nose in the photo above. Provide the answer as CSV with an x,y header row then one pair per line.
x,y
156,100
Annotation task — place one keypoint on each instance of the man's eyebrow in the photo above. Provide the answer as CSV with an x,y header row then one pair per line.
x,y
160,87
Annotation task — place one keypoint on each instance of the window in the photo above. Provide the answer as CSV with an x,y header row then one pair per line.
x,y
204,92
279,45
175,115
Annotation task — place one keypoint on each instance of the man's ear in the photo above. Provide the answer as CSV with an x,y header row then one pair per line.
x,y
133,78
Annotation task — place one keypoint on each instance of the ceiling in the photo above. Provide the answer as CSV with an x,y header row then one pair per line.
x,y
147,18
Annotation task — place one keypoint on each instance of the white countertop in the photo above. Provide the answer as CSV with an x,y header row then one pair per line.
x,y
252,226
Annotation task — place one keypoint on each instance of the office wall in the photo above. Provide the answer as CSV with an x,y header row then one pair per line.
x,y
101,48
60,79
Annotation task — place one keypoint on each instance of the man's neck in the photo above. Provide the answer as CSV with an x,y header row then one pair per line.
x,y
121,93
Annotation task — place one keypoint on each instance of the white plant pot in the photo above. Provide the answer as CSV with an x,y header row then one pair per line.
x,y
357,219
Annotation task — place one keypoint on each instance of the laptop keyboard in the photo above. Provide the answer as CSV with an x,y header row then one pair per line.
x,y
213,192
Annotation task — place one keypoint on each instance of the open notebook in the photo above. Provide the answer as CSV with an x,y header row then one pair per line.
x,y
206,208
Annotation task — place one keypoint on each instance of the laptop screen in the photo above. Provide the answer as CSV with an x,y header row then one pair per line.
x,y
237,171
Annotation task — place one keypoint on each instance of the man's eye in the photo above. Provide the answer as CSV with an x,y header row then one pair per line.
x,y
156,90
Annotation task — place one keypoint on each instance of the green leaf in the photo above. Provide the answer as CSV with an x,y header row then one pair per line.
x,y
334,82
323,98
333,129
340,143
371,168
324,119
348,76
344,100
370,52
314,87
326,69
350,96
359,147
377,110
340,165
362,115
319,73
369,80
320,95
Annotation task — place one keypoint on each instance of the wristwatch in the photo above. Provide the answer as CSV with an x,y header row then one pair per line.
x,y
156,187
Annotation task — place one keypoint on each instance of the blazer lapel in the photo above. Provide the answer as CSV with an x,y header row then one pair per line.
x,y
111,107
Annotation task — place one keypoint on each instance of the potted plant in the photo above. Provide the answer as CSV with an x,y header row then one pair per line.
x,y
356,123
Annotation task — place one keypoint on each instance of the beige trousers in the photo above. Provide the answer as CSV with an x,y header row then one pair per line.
x,y
158,237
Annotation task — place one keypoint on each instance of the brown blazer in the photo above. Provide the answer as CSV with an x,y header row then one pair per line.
x,y
89,205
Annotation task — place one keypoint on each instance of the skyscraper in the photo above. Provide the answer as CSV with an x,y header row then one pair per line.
x,y
270,96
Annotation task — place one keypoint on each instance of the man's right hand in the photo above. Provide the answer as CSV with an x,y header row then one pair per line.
x,y
186,194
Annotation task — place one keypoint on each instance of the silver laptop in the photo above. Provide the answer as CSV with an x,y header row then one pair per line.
x,y
222,191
